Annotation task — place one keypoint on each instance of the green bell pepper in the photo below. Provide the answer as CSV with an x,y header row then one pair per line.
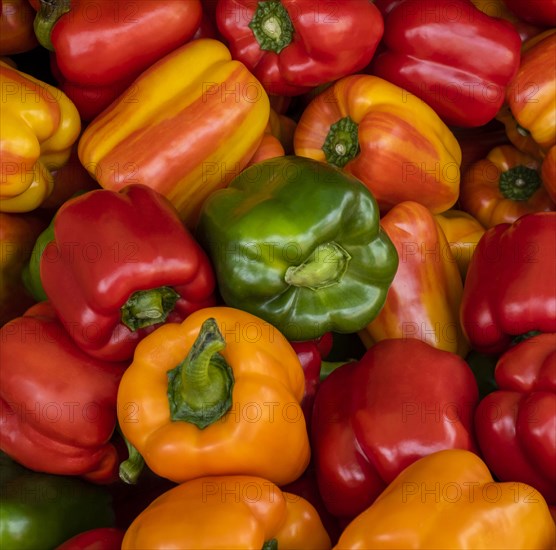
x,y
298,243
41,511
30,275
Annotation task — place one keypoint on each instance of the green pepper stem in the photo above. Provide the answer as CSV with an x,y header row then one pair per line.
x,y
519,183
342,142
324,267
271,544
49,12
272,26
131,468
200,387
148,307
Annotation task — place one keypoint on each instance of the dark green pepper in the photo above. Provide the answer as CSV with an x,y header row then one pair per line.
x,y
41,511
30,275
298,243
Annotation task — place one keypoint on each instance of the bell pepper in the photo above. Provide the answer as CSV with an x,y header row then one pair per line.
x,y
389,139
16,27
217,394
402,400
184,137
465,80
292,46
516,424
509,288
548,172
40,511
99,49
538,12
18,233
39,126
227,512
102,538
504,186
531,94
120,264
449,499
462,232
299,244
424,298
58,405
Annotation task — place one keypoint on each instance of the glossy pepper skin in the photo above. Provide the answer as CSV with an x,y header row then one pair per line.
x,y
538,12
16,27
184,137
120,264
40,511
465,80
389,139
102,538
516,424
374,417
292,46
504,186
58,405
18,233
229,405
531,94
39,126
227,512
424,298
509,289
449,499
548,172
298,243
463,232
99,49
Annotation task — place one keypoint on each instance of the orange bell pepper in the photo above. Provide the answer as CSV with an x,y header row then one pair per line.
x,y
218,394
449,499
185,127
39,126
503,187
388,138
462,232
531,94
227,512
424,298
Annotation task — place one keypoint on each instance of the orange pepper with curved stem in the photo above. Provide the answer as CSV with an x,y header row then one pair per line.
x,y
218,394
388,138
227,512
503,187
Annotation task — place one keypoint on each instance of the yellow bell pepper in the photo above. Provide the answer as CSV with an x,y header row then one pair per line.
x,y
39,126
462,232
229,512
448,500
185,127
218,394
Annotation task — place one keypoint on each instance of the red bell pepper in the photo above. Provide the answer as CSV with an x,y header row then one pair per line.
x,y
510,286
103,538
538,12
516,424
292,46
122,263
101,47
374,417
16,27
451,55
57,404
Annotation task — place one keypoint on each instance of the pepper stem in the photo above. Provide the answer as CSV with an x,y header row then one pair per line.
x,y
324,267
200,387
519,183
342,142
49,12
148,307
271,544
131,468
272,26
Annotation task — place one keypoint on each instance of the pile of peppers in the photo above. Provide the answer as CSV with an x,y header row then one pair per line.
x,y
278,274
